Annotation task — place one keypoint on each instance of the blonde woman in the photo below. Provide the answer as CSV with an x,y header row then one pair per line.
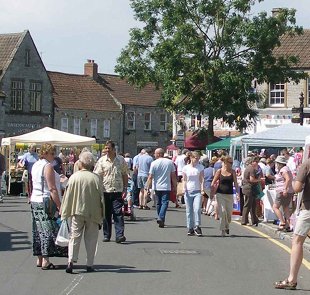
x,y
193,185
227,179
46,184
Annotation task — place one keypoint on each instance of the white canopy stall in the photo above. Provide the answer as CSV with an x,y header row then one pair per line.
x,y
47,135
50,135
287,135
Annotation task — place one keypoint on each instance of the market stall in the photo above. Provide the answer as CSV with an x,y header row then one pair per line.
x,y
286,135
44,135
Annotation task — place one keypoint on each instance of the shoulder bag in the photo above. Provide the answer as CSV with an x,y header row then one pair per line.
x,y
49,205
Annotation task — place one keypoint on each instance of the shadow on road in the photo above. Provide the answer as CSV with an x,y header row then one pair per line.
x,y
77,269
14,241
150,242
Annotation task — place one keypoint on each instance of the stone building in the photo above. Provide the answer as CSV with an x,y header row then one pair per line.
x,y
26,90
145,124
275,107
107,107
84,107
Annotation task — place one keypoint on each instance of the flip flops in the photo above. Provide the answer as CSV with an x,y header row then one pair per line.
x,y
48,267
286,285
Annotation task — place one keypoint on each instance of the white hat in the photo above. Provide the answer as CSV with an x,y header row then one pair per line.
x,y
281,160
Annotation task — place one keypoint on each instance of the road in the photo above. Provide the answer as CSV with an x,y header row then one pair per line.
x,y
152,261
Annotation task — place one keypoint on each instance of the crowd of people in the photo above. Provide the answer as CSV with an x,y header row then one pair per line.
x,y
96,191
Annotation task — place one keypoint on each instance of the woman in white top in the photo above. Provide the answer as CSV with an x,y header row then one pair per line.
x,y
193,186
44,226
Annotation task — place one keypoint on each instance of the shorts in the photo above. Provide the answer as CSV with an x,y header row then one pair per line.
x,y
283,201
302,226
142,181
207,192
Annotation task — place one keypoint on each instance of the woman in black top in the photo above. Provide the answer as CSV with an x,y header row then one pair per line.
x,y
226,179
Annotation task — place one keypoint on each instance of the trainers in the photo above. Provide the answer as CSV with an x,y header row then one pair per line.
x,y
197,231
121,239
191,232
160,223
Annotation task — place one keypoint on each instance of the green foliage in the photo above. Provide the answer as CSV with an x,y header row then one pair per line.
x,y
204,54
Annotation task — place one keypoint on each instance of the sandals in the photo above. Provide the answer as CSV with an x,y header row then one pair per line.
x,y
282,226
285,285
48,267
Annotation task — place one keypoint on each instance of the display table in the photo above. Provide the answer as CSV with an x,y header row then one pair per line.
x,y
268,200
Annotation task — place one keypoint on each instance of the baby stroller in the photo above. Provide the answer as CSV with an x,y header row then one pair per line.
x,y
128,209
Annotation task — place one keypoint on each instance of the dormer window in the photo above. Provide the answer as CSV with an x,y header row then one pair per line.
x,y
27,57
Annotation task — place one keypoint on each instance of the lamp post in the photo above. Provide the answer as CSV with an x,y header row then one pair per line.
x,y
301,100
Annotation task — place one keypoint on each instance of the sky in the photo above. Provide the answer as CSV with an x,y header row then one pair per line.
x,y
68,32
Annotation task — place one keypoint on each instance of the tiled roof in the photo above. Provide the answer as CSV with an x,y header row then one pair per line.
x,y
80,92
8,45
128,94
298,46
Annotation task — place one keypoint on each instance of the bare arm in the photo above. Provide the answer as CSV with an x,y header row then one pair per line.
x,y
174,181
201,180
298,186
216,177
149,181
49,175
184,182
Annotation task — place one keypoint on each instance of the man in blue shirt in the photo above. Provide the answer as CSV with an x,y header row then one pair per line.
x,y
144,164
27,162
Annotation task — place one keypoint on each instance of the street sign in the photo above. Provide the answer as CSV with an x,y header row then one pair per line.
x,y
297,110
179,143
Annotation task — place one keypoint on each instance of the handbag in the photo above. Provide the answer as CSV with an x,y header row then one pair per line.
x,y
49,205
63,235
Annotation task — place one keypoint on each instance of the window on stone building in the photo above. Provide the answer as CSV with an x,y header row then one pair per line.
x,y
131,120
106,128
277,94
35,96
27,57
147,121
17,95
308,91
93,127
64,124
163,122
77,126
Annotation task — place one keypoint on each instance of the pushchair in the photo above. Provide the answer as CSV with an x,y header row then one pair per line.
x,y
128,209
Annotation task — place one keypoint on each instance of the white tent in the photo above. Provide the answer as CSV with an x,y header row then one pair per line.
x,y
287,135
47,135
50,135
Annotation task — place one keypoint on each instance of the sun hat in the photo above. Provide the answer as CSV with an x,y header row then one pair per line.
x,y
263,160
281,160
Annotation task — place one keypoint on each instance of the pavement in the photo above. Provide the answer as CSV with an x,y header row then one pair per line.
x,y
272,230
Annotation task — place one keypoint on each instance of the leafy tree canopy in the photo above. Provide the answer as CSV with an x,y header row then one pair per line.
x,y
204,54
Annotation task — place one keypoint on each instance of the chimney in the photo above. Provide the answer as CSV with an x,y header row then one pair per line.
x,y
91,69
276,11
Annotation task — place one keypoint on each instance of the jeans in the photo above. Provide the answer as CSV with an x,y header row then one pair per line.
x,y
135,190
162,204
193,208
113,208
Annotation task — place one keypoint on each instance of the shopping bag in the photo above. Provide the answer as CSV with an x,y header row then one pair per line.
x,y
25,176
63,235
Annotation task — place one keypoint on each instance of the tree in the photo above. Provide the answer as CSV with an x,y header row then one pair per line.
x,y
204,55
